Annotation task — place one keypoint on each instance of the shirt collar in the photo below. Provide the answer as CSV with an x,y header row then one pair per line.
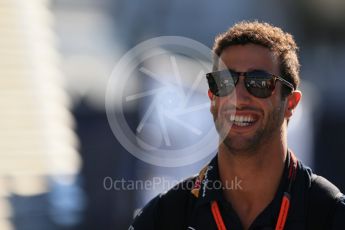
x,y
210,187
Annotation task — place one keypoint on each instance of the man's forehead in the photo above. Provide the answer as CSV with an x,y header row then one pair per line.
x,y
248,57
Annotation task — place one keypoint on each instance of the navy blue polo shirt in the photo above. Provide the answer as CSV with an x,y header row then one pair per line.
x,y
188,205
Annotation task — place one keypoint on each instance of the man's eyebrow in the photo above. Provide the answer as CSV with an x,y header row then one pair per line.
x,y
249,70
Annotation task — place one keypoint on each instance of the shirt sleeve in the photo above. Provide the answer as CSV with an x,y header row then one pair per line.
x,y
339,215
146,218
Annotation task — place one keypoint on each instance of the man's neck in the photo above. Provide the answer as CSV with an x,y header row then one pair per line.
x,y
259,175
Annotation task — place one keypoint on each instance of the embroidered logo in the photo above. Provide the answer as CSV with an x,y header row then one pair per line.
x,y
200,180
205,181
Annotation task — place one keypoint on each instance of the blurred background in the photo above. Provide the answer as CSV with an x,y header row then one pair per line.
x,y
56,146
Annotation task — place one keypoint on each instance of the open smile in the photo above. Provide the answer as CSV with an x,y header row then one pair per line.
x,y
242,121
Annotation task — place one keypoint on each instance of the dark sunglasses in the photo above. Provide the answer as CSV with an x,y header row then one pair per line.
x,y
259,83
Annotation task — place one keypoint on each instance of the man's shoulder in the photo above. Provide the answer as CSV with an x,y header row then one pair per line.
x,y
169,207
319,188
178,196
330,200
326,203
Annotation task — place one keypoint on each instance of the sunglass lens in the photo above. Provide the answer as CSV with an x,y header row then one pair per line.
x,y
221,83
260,84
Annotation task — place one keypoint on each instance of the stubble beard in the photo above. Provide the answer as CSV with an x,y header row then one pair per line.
x,y
251,144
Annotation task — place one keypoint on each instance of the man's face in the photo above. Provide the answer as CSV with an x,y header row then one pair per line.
x,y
244,121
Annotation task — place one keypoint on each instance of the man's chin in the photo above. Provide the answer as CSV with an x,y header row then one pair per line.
x,y
234,147
242,144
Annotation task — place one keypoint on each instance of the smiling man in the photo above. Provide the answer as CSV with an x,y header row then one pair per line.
x,y
253,93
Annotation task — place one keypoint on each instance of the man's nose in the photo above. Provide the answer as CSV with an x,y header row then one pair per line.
x,y
242,94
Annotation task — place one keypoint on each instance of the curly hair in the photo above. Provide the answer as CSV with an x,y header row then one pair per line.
x,y
266,35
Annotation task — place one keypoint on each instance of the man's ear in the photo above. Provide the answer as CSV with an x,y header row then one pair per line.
x,y
292,101
210,94
213,101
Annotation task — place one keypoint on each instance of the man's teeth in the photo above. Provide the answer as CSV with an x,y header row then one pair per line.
x,y
241,120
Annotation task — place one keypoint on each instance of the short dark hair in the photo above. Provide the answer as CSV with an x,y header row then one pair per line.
x,y
266,35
